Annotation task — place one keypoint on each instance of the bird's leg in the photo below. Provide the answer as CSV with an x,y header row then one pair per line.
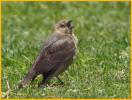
x,y
48,76
61,82
44,82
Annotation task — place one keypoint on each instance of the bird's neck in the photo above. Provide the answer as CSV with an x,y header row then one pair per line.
x,y
59,32
62,33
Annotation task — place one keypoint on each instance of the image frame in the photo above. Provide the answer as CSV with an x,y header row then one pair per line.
x,y
67,1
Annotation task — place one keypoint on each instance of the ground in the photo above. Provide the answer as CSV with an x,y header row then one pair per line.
x,y
102,66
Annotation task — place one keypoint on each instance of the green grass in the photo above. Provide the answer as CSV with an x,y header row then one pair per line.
x,y
102,67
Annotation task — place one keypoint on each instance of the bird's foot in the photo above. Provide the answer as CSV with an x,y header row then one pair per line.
x,y
42,85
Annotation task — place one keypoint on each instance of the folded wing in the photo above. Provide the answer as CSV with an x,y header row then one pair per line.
x,y
58,49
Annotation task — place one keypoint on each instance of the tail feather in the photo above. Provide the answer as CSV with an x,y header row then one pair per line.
x,y
30,75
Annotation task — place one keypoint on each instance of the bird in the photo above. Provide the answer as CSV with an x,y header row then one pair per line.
x,y
57,54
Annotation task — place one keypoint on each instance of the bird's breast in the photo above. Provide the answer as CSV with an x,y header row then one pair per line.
x,y
75,40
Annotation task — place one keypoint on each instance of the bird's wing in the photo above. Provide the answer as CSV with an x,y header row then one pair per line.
x,y
46,44
61,55
57,46
59,50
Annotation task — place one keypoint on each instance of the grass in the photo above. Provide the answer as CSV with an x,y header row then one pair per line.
x,y
102,67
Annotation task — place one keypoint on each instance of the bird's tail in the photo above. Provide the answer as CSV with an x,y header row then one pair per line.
x,y
30,75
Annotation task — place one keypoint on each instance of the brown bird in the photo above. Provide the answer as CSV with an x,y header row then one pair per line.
x,y
57,54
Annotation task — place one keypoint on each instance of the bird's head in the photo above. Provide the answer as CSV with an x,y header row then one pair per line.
x,y
64,27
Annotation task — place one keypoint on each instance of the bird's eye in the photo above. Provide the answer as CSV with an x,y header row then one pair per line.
x,y
62,25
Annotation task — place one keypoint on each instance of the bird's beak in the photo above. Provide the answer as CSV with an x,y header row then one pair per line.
x,y
69,24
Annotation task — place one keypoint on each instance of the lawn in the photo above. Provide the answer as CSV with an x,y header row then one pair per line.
x,y
102,66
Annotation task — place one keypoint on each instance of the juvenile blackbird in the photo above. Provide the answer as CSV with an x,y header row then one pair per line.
x,y
57,53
